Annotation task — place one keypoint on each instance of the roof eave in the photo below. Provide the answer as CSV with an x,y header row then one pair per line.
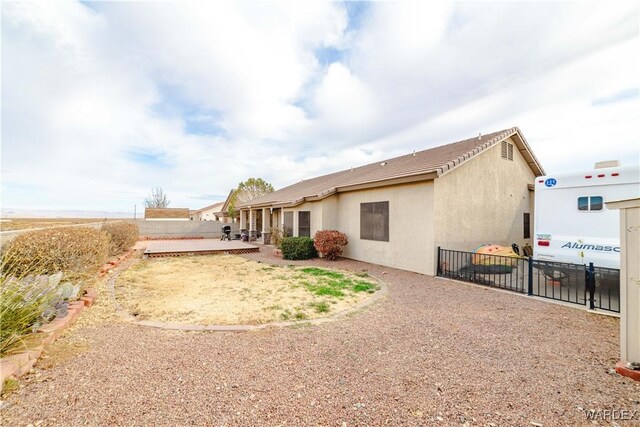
x,y
527,153
406,179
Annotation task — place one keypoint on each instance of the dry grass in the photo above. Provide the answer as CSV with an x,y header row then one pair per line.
x,y
228,289
29,223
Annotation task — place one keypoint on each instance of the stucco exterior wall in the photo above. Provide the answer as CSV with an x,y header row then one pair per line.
x,y
410,245
316,209
207,214
330,210
483,201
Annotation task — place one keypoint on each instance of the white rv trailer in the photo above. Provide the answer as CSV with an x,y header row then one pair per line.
x,y
571,221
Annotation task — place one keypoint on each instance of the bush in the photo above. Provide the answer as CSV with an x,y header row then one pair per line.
x,y
277,234
295,248
77,251
330,243
28,302
122,235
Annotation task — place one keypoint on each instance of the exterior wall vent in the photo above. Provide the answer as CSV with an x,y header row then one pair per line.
x,y
507,150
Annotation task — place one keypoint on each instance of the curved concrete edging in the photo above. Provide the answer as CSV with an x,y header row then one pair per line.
x,y
376,297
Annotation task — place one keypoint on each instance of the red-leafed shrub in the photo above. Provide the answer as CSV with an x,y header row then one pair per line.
x,y
330,243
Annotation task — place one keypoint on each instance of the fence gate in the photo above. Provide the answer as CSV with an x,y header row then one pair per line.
x,y
595,287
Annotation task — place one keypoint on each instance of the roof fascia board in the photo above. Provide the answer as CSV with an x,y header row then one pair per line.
x,y
225,206
526,152
387,182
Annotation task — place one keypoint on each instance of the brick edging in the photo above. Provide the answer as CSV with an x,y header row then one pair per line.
x,y
622,369
17,365
111,264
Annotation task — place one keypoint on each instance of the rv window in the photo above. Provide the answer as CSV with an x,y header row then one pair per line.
x,y
583,203
590,204
596,203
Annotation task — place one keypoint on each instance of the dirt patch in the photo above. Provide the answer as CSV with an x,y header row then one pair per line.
x,y
228,289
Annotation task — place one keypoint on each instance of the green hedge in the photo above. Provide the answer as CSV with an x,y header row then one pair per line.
x,y
296,248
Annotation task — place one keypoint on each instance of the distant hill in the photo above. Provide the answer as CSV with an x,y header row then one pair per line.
x,y
35,213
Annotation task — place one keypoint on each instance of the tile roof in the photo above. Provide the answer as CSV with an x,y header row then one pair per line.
x,y
434,161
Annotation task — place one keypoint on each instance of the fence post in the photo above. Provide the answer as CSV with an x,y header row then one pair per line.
x,y
530,279
591,285
438,269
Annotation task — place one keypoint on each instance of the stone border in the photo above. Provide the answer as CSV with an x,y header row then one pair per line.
x,y
377,296
17,365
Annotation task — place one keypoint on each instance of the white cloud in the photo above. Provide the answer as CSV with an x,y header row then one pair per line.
x,y
97,105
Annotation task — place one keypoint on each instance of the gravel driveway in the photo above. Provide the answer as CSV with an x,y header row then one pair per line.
x,y
434,352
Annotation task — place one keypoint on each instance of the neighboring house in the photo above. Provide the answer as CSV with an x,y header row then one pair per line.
x,y
208,213
166,214
224,211
398,211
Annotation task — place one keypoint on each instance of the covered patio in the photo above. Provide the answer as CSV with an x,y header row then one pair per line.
x,y
259,220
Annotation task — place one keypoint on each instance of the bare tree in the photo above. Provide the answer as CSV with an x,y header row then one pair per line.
x,y
156,199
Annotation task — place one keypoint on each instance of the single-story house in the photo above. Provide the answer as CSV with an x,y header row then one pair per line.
x,y
166,214
208,213
396,212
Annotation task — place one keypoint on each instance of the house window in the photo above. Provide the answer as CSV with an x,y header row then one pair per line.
x,y
374,221
304,224
507,150
288,223
527,225
590,203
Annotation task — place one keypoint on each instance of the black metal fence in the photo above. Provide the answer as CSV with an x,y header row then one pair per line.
x,y
597,287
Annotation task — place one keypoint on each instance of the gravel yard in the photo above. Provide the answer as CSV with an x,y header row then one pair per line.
x,y
434,352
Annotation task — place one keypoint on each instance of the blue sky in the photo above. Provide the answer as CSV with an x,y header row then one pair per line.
x,y
103,101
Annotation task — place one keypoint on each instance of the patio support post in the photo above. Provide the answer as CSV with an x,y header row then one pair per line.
x,y
242,221
251,225
264,220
